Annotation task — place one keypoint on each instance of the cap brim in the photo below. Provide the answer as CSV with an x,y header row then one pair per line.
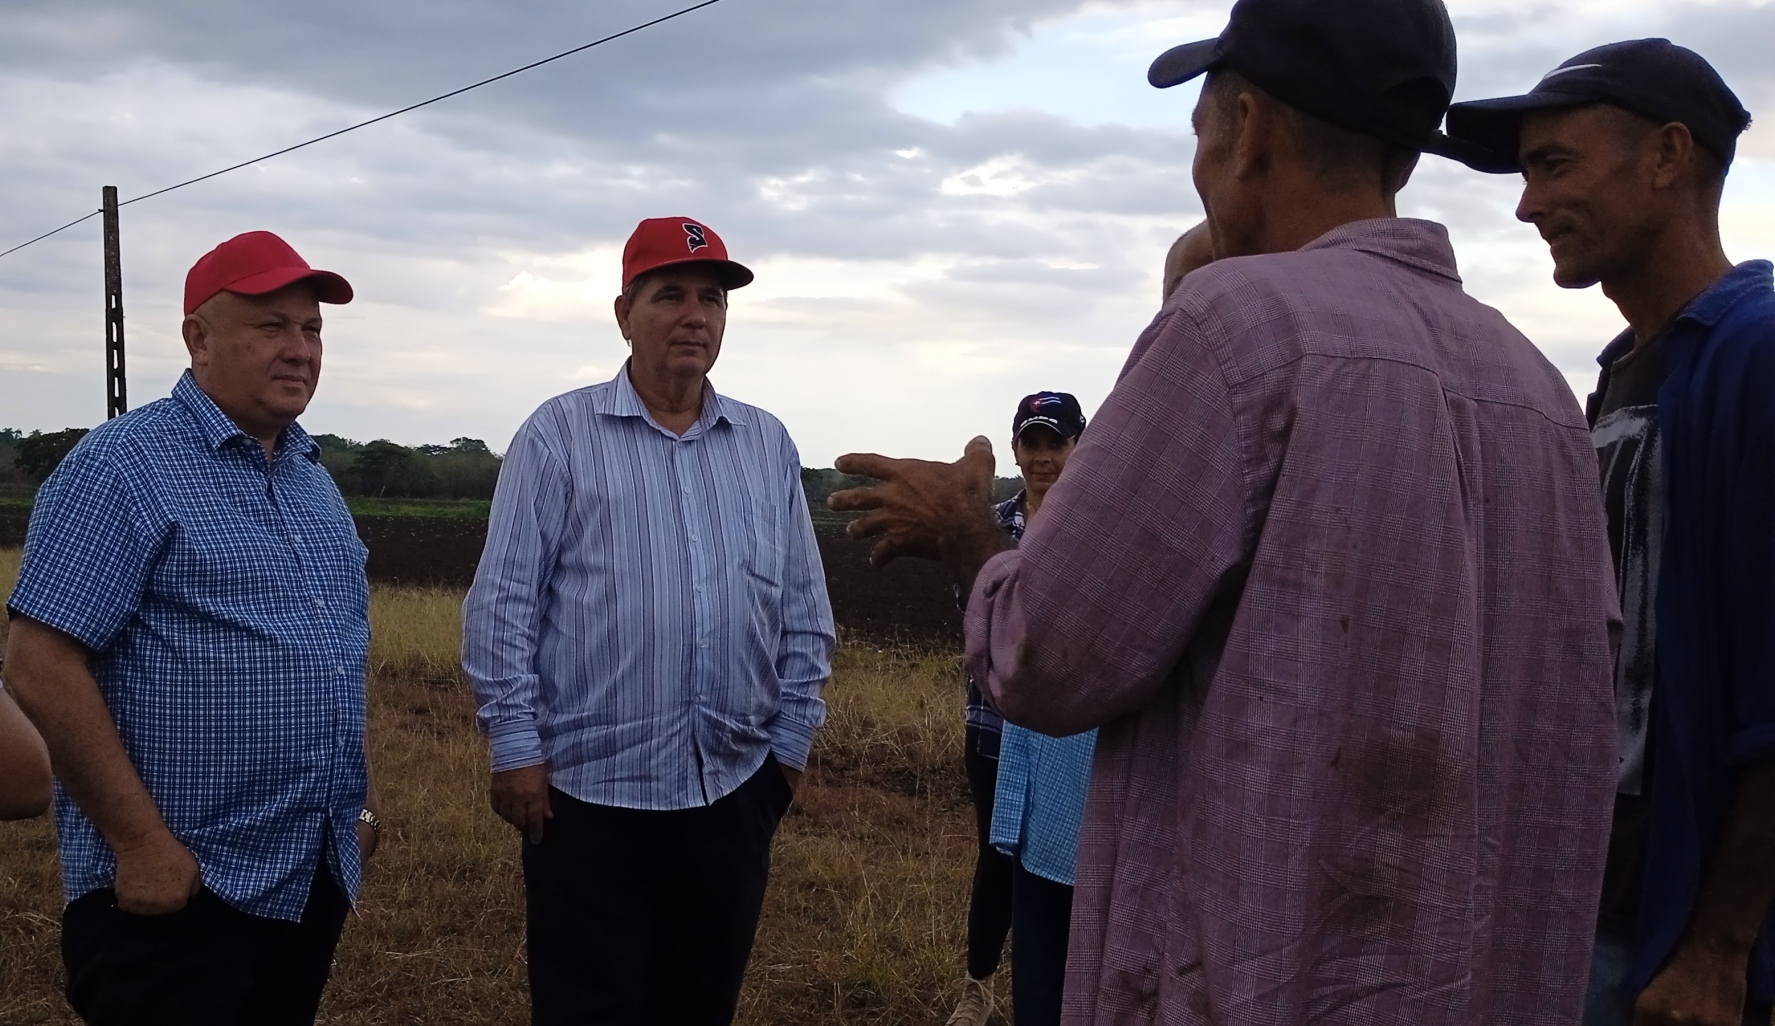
x,y
1471,154
1041,422
1182,63
1486,135
734,275
328,287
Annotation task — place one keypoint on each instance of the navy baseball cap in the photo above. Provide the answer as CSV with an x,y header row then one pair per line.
x,y
1380,68
1653,78
1057,410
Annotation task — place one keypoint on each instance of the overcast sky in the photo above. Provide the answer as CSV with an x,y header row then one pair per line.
x,y
949,203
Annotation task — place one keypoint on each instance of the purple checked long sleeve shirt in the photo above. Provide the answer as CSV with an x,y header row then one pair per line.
x,y
1330,572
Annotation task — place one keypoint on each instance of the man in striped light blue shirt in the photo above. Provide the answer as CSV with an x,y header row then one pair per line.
x,y
647,636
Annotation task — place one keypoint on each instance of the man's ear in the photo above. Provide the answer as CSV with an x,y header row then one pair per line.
x,y
623,307
197,339
1671,153
1252,123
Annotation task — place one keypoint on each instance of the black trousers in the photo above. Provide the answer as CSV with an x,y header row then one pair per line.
x,y
989,906
208,964
641,917
1041,922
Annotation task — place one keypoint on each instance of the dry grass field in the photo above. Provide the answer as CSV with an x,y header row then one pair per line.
x,y
864,919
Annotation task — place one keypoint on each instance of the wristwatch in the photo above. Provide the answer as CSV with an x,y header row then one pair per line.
x,y
370,819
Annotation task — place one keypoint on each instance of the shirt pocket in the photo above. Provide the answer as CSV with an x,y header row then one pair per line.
x,y
766,556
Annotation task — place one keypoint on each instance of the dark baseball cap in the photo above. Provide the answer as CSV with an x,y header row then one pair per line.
x,y
1057,410
1653,78
1380,68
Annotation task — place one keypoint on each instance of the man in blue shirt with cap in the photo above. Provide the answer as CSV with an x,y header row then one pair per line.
x,y
1624,151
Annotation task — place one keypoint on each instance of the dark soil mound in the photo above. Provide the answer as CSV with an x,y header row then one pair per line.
x,y
910,601
441,551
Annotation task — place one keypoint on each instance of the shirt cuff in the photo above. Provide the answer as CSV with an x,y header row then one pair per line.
x,y
515,747
991,634
792,741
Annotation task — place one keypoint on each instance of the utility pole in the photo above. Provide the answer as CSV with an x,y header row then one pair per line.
x,y
116,394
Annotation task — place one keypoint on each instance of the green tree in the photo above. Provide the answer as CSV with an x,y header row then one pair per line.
x,y
382,468
38,454
11,474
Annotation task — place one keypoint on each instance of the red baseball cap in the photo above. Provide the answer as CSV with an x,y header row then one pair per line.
x,y
663,241
253,264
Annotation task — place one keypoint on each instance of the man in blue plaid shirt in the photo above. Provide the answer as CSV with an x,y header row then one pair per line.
x,y
189,633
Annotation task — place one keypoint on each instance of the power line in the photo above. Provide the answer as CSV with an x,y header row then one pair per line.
x,y
364,124
45,235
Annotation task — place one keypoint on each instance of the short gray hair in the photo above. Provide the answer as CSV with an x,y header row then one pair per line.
x,y
1343,159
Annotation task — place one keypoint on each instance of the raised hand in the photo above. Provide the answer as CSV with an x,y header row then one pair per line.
x,y
924,509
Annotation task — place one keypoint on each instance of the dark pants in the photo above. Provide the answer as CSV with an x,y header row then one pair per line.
x,y
989,907
208,964
639,916
1041,921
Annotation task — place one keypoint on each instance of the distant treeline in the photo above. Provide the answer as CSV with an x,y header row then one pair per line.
x,y
464,469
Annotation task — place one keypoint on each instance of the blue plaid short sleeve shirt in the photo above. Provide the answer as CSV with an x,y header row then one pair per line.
x,y
223,597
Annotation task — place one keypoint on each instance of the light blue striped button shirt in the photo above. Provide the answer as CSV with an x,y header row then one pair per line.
x,y
649,618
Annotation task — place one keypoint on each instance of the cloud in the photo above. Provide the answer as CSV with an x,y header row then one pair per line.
x,y
956,200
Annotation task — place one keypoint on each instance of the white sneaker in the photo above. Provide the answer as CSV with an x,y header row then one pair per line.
x,y
975,1004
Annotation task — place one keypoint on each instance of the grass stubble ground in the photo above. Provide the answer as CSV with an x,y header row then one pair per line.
x,y
865,917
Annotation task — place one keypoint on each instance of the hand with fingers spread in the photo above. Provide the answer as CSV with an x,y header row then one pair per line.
x,y
925,509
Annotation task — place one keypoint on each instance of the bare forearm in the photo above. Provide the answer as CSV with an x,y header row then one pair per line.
x,y
24,765
47,673
1739,888
968,549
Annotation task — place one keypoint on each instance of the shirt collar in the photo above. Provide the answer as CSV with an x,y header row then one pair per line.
x,y
218,429
1747,278
1621,346
1706,309
621,400
1406,240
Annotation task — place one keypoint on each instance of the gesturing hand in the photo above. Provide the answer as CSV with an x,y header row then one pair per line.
x,y
925,509
156,876
521,797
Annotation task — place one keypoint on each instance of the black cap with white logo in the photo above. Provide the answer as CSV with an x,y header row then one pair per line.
x,y
1653,78
1057,410
1380,68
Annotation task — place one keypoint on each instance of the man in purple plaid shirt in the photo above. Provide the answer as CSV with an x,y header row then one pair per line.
x,y
1330,575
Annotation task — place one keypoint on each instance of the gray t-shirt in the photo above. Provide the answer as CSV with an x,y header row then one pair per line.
x,y
1624,427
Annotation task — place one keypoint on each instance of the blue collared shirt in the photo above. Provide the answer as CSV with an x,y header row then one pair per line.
x,y
1713,713
649,618
1039,807
223,597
